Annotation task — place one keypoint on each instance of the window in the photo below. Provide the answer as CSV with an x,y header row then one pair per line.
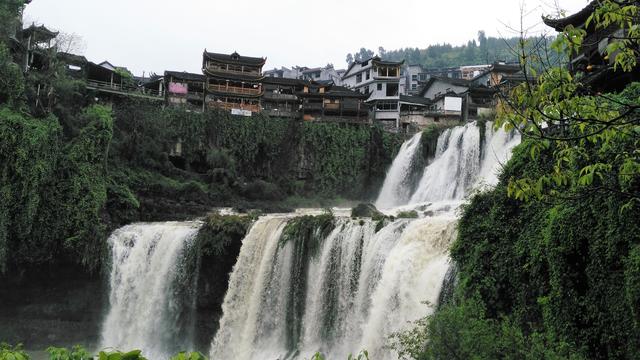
x,y
317,75
379,87
414,86
392,89
368,74
386,106
414,77
359,78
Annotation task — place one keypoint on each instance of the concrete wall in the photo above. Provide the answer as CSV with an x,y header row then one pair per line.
x,y
441,87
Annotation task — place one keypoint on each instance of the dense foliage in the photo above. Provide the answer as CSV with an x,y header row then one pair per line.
x,y
484,50
72,170
548,260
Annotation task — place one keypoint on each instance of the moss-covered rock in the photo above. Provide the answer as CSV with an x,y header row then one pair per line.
x,y
366,210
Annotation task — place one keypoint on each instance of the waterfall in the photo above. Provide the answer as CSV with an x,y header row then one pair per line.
x,y
398,183
357,289
152,289
463,162
291,293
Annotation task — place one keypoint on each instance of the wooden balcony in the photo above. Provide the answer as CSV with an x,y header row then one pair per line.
x,y
332,107
214,69
229,106
235,90
132,91
281,97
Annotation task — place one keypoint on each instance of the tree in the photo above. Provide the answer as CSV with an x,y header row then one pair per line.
x,y
484,49
349,59
9,17
70,43
594,137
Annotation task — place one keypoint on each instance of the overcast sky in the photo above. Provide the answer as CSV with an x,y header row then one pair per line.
x,y
158,35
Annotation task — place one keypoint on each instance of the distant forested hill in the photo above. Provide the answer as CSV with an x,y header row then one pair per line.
x,y
484,50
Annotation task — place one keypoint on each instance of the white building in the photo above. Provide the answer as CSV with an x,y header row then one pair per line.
x,y
414,76
381,80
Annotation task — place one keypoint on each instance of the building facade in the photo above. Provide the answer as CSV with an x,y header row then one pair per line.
x,y
184,89
380,81
233,82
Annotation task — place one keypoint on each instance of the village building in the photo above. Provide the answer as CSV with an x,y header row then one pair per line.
x,y
280,98
591,60
494,74
379,80
471,71
38,48
447,72
284,72
184,89
322,74
415,76
328,102
233,82
458,98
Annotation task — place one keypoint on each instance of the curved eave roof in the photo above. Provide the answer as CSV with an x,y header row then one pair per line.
x,y
576,19
235,58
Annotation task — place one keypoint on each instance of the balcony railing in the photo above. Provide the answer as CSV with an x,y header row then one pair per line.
x,y
238,72
123,89
229,106
275,96
235,90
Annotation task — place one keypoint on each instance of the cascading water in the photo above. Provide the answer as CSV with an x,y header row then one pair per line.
x,y
336,292
398,184
152,296
361,285
358,288
462,162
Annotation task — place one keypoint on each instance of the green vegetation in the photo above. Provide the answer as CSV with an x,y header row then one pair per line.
x,y
8,352
484,50
548,264
366,210
220,231
429,141
76,353
71,170
412,214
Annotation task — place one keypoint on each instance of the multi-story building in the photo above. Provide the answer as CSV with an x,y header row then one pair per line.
x,y
380,81
324,74
233,82
414,77
184,89
327,102
280,98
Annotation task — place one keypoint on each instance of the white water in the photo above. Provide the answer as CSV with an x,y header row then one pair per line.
x,y
359,288
286,302
145,311
461,163
396,190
